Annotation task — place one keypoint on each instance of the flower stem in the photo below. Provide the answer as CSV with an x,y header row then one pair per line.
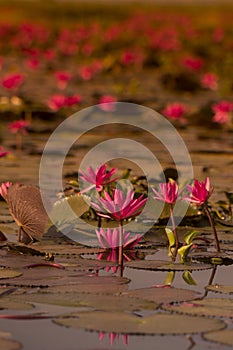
x,y
174,231
120,259
213,227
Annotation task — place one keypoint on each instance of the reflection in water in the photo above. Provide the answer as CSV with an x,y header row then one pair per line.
x,y
114,338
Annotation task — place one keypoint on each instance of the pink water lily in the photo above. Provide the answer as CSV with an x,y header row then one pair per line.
x,y
97,178
4,189
18,126
12,81
167,193
110,238
3,153
199,192
222,112
176,111
209,81
119,206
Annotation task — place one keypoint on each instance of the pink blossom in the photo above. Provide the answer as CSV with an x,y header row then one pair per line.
x,y
98,178
175,110
62,79
130,57
3,153
167,193
33,63
86,72
222,112
119,206
18,126
106,103
193,63
12,81
199,192
110,238
210,81
4,189
56,102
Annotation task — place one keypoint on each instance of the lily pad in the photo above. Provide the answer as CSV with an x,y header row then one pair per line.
x,y
162,295
220,289
8,344
125,323
96,301
160,265
11,304
224,337
9,273
207,307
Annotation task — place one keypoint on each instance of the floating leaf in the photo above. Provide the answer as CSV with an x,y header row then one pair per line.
x,y
124,323
164,295
224,337
161,265
11,304
220,289
207,307
96,301
8,273
8,344
27,209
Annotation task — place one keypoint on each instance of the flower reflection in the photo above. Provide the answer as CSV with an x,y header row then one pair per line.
x,y
112,255
114,338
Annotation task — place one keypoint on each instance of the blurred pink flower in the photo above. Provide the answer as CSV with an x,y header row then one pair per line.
x,y
3,153
176,111
167,193
12,81
193,63
86,72
113,337
222,112
106,103
119,206
4,189
18,126
58,101
110,238
97,178
199,192
62,79
210,81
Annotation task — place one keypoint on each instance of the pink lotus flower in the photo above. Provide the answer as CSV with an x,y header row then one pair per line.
x,y
62,79
110,238
72,100
119,206
222,111
200,192
168,192
106,103
86,72
18,126
12,81
114,337
176,111
3,153
209,81
4,189
98,178
193,63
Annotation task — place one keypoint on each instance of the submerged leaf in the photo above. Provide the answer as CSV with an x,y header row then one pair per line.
x,y
187,277
224,337
9,273
8,344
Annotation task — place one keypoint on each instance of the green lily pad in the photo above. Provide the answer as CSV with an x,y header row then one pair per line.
x,y
11,304
8,344
220,289
160,265
96,301
9,273
224,337
125,323
162,295
207,307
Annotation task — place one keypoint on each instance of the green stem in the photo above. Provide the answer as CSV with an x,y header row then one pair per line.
x,y
213,227
120,258
174,231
